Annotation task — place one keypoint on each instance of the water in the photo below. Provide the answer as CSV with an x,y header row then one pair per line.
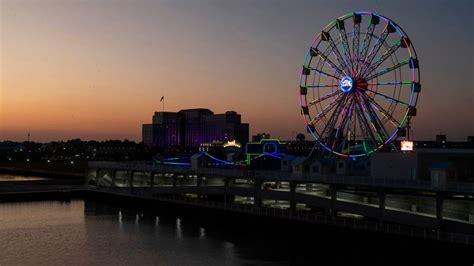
x,y
6,177
59,233
89,232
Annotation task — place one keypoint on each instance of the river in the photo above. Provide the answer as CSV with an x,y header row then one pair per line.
x,y
7,177
96,232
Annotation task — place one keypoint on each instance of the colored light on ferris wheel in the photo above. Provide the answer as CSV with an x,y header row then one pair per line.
x,y
346,84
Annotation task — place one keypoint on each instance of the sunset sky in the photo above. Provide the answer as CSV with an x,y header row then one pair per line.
x,y
96,69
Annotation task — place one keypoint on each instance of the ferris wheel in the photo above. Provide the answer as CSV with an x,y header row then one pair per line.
x,y
359,85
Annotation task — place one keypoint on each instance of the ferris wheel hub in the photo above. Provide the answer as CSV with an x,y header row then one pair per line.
x,y
346,84
361,84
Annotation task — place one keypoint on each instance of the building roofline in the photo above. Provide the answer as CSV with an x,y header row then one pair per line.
x,y
195,109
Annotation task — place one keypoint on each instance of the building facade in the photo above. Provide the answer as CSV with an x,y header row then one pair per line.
x,y
191,127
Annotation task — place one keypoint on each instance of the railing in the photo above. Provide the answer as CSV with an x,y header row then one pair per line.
x,y
332,220
388,228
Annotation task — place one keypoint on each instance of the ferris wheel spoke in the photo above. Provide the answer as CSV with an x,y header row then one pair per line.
x,y
316,52
365,46
334,117
352,123
324,111
346,116
369,120
347,125
338,123
366,127
355,39
383,57
364,124
339,127
388,70
390,83
338,104
322,86
377,123
387,97
345,44
326,36
384,112
323,73
325,97
380,41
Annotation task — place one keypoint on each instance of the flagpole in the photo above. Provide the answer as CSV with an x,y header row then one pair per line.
x,y
163,102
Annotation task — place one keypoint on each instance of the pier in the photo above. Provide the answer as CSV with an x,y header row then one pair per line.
x,y
407,207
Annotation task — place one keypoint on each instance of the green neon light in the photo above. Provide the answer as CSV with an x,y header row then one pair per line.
x,y
404,118
380,137
405,62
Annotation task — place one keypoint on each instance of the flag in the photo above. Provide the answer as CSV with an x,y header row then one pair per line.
x,y
162,98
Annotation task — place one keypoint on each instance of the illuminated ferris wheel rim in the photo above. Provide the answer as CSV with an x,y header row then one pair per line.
x,y
355,82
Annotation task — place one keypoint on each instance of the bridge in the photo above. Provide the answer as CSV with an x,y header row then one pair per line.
x,y
408,207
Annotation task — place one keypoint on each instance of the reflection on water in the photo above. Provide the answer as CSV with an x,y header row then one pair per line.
x,y
58,233
79,232
6,177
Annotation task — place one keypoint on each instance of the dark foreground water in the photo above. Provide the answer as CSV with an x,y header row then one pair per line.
x,y
59,233
79,232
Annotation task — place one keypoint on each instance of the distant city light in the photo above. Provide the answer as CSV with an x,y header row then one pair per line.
x,y
406,145
232,143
